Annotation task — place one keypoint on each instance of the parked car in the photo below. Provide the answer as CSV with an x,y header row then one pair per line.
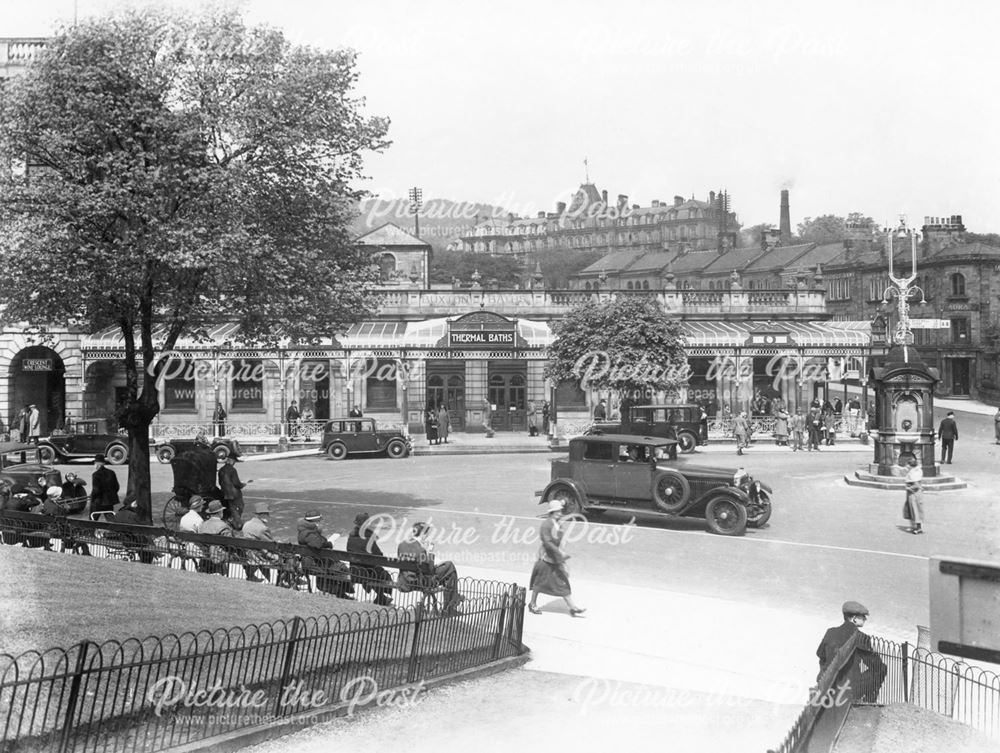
x,y
361,436
629,472
22,468
681,422
88,437
167,449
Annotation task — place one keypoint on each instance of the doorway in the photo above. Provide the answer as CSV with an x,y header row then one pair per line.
x,y
446,386
960,372
508,394
38,377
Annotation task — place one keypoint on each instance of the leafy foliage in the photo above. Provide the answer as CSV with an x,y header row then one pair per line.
x,y
822,229
506,270
181,170
626,344
559,264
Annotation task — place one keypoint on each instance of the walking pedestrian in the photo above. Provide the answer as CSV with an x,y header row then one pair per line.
x,y
741,430
104,487
444,422
549,575
798,430
34,424
913,508
781,428
867,682
219,420
996,426
948,433
814,423
431,425
830,427
291,418
232,491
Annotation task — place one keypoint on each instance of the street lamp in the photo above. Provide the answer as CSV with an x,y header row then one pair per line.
x,y
903,291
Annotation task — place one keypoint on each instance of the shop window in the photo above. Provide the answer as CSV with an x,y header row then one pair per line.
x,y
247,384
960,331
179,390
958,284
381,386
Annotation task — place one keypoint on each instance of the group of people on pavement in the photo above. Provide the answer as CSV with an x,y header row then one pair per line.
x,y
26,425
437,423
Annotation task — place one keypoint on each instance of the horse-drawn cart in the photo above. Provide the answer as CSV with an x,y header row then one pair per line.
x,y
194,473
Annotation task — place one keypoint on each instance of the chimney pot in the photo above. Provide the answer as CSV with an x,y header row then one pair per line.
x,y
561,207
622,200
656,202
541,215
678,200
635,206
604,197
510,216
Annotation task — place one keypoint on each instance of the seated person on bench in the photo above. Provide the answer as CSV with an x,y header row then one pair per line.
x,y
331,577
445,574
373,578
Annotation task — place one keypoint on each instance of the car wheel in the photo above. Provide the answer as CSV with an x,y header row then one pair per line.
x,y
396,449
173,511
46,455
726,516
336,451
117,454
165,454
221,452
762,513
671,491
687,441
569,498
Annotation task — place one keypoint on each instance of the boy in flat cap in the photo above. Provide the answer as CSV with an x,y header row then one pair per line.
x,y
866,680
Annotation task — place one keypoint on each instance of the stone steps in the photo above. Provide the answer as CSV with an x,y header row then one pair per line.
x,y
863,477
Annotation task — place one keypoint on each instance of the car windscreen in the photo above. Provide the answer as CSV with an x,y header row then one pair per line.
x,y
17,457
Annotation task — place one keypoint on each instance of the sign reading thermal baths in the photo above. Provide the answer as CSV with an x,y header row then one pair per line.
x,y
482,338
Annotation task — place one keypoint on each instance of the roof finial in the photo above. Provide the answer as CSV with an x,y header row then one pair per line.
x,y
586,171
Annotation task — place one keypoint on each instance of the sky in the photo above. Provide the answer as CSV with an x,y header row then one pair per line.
x,y
879,107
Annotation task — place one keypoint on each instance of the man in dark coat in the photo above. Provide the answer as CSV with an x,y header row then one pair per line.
x,y
331,577
104,487
362,540
865,682
355,412
948,433
601,411
232,491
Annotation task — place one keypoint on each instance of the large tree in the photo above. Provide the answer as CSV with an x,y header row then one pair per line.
x,y
627,345
180,170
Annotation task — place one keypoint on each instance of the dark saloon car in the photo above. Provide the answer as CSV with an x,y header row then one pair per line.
x,y
631,473
361,436
167,449
681,422
87,438
27,479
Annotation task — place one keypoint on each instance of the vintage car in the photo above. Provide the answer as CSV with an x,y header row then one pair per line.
x,y
167,449
681,422
361,436
27,477
86,438
629,473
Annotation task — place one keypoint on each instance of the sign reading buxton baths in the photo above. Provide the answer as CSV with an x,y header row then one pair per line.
x,y
482,337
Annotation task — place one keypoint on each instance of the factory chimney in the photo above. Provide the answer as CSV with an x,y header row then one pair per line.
x,y
785,225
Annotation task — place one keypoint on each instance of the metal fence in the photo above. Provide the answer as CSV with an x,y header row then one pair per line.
x,y
156,693
952,688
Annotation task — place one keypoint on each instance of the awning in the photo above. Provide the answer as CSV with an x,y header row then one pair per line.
x,y
221,336
804,334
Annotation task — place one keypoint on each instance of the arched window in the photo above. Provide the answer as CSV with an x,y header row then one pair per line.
x,y
386,267
958,284
645,284
629,286
586,286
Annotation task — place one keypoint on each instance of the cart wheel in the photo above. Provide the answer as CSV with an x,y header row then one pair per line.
x,y
173,511
166,453
726,516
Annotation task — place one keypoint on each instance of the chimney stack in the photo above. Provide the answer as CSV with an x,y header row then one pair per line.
x,y
656,202
560,207
785,225
604,197
678,200
622,200
711,197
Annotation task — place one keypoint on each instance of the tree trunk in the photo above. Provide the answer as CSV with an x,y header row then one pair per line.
x,y
139,481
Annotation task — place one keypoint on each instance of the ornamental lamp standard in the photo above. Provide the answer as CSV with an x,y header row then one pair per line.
x,y
416,201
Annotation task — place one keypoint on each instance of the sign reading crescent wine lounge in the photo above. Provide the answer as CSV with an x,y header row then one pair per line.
x,y
36,364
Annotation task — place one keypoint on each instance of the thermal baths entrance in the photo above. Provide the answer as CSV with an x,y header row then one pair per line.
x,y
508,395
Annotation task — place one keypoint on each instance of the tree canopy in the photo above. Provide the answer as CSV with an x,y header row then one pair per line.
x,y
627,345
446,265
182,169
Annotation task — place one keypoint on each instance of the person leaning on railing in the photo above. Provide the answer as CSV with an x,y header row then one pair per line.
x,y
870,680
445,574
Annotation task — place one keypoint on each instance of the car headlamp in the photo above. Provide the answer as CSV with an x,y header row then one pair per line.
x,y
42,482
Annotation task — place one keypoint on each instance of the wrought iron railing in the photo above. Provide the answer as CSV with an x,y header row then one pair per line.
x,y
952,688
104,696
